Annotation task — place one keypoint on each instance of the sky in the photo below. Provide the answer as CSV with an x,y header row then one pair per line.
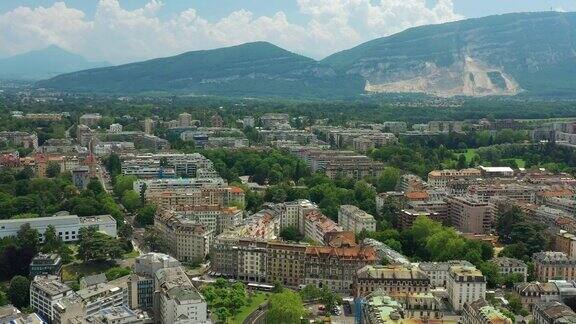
x,y
120,31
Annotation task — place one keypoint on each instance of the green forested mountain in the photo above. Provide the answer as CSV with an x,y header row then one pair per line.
x,y
530,53
245,70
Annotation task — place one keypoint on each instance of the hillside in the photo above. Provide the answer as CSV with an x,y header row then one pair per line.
x,y
498,55
42,64
250,69
532,54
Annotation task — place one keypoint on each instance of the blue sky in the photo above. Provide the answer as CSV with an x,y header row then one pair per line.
x,y
127,30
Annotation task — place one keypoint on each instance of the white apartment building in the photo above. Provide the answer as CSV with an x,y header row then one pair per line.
x,y
178,299
441,178
293,213
352,218
438,272
465,285
67,226
214,218
101,296
45,293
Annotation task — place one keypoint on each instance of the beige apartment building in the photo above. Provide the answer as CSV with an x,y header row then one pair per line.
x,y
395,280
441,178
553,266
354,219
187,240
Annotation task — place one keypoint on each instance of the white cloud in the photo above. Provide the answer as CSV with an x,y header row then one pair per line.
x,y
119,35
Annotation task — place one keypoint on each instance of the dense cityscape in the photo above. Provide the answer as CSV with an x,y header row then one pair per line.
x,y
287,162
213,215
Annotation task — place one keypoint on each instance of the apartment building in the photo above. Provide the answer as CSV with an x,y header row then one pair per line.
x,y
317,225
215,219
252,260
354,219
507,266
553,312
90,120
553,265
441,178
469,215
67,226
481,312
465,285
355,167
565,242
274,120
564,204
335,268
365,143
438,272
485,192
20,139
178,300
207,196
45,292
285,264
408,216
178,183
385,254
395,280
187,240
101,296
531,293
185,165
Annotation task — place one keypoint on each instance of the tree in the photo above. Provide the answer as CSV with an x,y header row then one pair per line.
x,y
123,183
490,271
131,200
291,233
113,165
285,307
388,180
97,247
27,238
145,215
3,299
19,291
462,164
95,186
52,169
117,272
52,242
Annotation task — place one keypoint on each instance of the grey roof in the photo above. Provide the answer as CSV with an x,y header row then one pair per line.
x,y
94,279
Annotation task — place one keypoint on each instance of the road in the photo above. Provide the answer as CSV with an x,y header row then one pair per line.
x,y
257,317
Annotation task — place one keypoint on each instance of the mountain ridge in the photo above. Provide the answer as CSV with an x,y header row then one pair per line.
x,y
43,63
532,53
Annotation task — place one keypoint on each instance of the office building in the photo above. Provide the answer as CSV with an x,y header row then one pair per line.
x,y
469,215
438,272
46,264
67,226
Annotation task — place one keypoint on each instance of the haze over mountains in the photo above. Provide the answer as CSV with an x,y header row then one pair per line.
x,y
42,64
532,53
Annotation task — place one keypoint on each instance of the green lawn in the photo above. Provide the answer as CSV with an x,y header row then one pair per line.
x,y
245,311
130,255
470,153
76,270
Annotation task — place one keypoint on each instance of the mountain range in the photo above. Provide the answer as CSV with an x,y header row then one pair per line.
x,y
42,64
531,53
